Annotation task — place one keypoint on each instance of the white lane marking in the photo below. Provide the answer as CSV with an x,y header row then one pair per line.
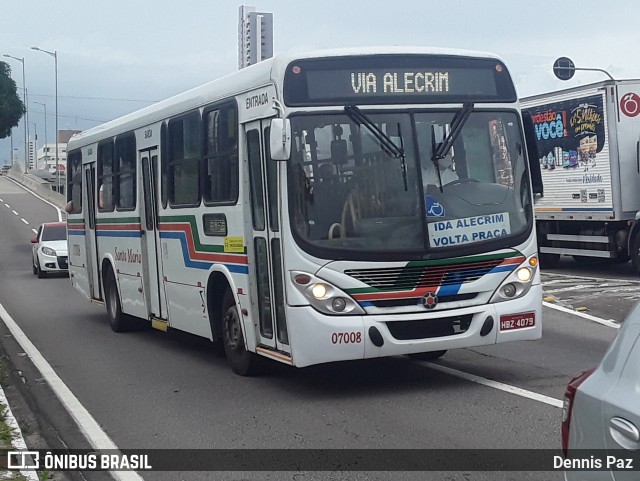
x,y
1,200
89,426
14,212
604,322
17,439
497,385
584,278
579,287
22,219
41,198
516,390
34,231
7,206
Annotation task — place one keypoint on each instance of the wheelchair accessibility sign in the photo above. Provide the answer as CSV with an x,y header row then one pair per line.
x,y
434,208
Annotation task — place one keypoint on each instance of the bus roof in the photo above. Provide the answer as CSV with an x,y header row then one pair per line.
x,y
252,77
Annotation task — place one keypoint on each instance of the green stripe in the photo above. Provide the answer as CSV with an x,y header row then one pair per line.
x,y
433,263
190,219
118,220
463,260
75,221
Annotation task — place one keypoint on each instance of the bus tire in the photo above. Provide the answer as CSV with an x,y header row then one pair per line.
x,y
240,360
118,320
427,356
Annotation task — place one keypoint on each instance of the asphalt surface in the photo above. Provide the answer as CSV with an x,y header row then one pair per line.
x,y
148,389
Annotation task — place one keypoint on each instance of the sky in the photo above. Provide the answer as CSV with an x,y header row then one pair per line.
x,y
117,56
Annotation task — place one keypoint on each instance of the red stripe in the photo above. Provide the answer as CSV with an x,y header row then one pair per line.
x,y
395,295
203,256
118,227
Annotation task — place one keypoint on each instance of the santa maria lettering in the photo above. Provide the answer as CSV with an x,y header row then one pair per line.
x,y
469,229
399,82
129,255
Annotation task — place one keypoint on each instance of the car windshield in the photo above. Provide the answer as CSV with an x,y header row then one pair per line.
x,y
349,194
53,233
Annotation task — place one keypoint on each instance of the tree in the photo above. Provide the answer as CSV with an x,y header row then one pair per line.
x,y
11,107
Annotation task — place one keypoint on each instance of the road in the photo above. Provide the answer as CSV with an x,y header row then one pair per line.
x,y
149,389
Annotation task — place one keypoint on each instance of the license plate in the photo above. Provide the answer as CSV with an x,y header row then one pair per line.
x,y
517,321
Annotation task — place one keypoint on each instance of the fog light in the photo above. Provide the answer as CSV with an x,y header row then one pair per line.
x,y
509,290
338,304
524,274
319,291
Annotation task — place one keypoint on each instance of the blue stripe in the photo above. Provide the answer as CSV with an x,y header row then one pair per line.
x,y
104,233
181,236
76,232
507,268
449,289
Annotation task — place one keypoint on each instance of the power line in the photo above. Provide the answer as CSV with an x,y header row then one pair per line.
x,y
95,98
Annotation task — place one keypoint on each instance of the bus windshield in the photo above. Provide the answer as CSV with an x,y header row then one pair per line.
x,y
349,195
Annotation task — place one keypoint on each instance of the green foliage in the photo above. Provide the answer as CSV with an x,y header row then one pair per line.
x,y
11,107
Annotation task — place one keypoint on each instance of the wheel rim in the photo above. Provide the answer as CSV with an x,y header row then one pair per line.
x,y
232,333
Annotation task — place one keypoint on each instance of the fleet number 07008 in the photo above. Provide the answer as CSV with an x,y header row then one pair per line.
x,y
346,338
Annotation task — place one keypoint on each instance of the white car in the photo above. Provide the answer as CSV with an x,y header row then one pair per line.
x,y
50,254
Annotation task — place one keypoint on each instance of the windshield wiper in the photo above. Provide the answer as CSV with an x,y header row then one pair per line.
x,y
442,149
386,143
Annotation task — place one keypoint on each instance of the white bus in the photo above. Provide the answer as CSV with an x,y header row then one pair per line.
x,y
312,208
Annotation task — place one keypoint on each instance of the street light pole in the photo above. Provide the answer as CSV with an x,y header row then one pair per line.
x,y
46,157
26,113
54,54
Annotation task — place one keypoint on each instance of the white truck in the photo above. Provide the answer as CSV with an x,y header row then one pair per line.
x,y
588,141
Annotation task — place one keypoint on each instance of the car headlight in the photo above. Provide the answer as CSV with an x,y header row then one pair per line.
x,y
518,283
324,296
48,251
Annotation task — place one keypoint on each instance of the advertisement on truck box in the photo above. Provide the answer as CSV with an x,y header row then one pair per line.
x,y
574,158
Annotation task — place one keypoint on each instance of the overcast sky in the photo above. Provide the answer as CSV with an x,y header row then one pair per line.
x,y
115,56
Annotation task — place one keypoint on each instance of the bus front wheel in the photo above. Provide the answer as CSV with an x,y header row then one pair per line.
x,y
240,360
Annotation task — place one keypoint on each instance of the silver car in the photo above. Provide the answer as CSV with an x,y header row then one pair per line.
x,y
601,410
50,252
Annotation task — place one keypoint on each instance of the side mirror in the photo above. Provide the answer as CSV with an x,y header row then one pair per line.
x,y
34,240
280,139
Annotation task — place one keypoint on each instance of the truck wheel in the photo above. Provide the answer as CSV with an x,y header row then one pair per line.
x,y
240,360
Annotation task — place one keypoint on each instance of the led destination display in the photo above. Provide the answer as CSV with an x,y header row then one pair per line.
x,y
396,79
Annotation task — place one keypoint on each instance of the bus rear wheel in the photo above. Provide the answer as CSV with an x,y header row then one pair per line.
x,y
240,360
118,320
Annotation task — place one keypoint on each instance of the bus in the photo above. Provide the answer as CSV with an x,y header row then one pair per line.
x,y
331,206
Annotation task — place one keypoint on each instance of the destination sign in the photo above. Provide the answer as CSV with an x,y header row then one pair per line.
x,y
393,79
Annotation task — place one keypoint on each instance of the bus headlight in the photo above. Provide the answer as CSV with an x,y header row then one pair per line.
x,y
323,296
518,283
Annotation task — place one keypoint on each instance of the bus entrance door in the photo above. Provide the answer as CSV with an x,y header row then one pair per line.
x,y
91,246
272,335
151,269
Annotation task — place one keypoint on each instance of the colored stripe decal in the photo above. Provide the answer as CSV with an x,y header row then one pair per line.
x,y
181,236
118,233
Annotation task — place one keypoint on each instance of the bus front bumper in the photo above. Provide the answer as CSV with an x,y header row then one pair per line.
x,y
317,338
